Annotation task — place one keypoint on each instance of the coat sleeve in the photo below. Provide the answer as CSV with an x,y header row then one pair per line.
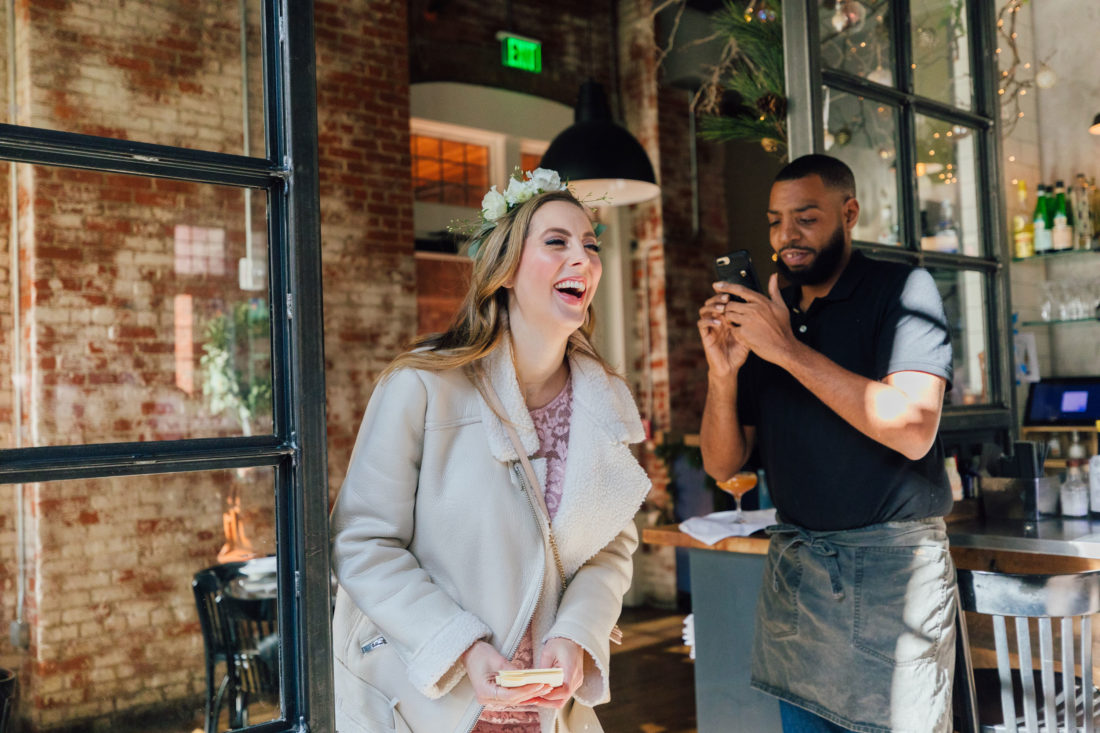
x,y
591,606
372,526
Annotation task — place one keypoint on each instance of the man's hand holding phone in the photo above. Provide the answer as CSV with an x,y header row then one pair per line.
x,y
724,351
761,322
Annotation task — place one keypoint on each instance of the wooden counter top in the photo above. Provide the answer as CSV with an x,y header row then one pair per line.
x,y
670,534
1050,545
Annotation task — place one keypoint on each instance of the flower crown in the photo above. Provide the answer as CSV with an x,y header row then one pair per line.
x,y
522,186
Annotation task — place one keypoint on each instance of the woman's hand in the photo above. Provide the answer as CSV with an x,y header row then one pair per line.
x,y
569,656
725,353
482,662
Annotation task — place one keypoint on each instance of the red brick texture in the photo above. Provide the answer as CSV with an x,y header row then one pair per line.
x,y
366,206
690,250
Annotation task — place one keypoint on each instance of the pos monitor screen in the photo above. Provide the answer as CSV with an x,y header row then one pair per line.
x,y
1063,401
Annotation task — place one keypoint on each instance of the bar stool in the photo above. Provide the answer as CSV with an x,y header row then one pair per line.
x,y
1030,699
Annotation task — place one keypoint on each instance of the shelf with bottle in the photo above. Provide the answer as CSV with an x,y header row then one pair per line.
x,y
1064,222
1059,322
1061,439
1057,254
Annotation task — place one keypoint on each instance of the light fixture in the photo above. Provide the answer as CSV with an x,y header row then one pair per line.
x,y
1095,127
600,158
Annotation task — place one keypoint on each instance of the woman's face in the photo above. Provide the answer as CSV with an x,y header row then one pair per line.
x,y
558,271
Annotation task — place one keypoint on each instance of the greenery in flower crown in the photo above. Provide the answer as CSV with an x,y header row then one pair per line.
x,y
522,187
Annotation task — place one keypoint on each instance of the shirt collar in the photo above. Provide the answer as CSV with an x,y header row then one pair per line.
x,y
842,289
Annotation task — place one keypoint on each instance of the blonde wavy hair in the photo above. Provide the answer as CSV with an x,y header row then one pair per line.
x,y
479,326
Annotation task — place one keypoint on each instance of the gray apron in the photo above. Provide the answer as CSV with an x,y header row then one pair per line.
x,y
857,626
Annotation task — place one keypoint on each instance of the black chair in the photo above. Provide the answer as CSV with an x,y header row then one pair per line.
x,y
253,649
7,697
207,585
1011,698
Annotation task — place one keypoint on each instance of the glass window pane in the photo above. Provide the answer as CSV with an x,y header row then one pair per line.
x,y
855,38
964,301
156,71
529,161
941,52
144,312
454,151
863,133
947,186
115,614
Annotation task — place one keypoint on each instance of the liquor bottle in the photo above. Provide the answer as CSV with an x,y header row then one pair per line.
x,y
947,236
1076,450
1082,216
1074,493
1094,475
1043,242
1023,235
1061,235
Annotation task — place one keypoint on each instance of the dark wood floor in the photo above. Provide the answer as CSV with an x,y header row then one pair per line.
x,y
652,677
651,683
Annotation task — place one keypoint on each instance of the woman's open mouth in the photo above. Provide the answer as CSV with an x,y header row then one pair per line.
x,y
572,290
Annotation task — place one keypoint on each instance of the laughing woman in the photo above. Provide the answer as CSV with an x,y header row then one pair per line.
x,y
457,556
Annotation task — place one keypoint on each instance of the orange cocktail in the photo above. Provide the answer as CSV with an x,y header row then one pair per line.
x,y
738,485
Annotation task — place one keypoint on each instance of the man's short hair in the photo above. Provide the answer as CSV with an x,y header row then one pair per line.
x,y
833,173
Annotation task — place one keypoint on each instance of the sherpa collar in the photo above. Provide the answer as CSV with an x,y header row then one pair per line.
x,y
605,399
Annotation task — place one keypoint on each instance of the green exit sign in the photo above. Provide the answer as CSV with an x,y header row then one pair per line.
x,y
517,52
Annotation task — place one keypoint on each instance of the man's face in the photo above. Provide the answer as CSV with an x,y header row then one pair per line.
x,y
810,229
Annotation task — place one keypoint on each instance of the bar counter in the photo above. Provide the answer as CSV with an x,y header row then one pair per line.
x,y
725,580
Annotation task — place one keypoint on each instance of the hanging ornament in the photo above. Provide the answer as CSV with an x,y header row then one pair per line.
x,y
1045,78
880,76
758,10
843,136
769,144
772,104
839,20
926,37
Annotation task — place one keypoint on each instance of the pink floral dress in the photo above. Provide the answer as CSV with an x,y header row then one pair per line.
x,y
552,424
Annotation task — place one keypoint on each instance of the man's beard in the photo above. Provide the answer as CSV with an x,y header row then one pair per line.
x,y
822,267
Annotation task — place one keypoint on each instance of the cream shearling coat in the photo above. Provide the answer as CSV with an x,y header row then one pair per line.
x,y
436,545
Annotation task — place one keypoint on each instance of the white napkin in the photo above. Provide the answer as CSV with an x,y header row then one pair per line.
x,y
720,525
259,566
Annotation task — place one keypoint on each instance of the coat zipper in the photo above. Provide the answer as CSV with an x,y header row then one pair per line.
x,y
521,476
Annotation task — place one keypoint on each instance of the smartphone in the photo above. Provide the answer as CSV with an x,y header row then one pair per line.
x,y
736,267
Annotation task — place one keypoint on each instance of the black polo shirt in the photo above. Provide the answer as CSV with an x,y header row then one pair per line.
x,y
823,474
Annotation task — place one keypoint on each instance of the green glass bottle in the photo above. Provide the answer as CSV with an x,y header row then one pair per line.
x,y
1043,242
1061,235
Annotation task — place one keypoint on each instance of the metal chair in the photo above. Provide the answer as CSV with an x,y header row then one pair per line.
x,y
1034,700
7,697
207,585
253,648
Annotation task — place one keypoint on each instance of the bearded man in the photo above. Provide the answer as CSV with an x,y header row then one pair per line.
x,y
838,380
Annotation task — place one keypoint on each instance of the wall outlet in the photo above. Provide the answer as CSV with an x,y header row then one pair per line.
x,y
20,634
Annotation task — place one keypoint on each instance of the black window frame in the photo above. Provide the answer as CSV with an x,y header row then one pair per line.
x,y
296,449
805,79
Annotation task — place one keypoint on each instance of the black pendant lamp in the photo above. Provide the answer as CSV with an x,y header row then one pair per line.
x,y
1095,128
600,158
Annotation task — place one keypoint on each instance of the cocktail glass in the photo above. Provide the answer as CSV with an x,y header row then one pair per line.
x,y
738,485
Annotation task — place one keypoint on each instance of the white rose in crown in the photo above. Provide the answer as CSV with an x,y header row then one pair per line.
x,y
519,191
546,179
494,205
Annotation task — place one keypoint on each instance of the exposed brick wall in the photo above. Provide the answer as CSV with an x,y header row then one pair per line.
x,y
441,286
637,74
366,206
689,266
